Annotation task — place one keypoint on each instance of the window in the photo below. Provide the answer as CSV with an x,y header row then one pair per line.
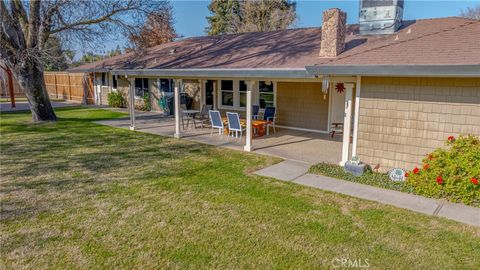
x,y
166,85
114,82
141,87
104,79
265,89
243,94
227,93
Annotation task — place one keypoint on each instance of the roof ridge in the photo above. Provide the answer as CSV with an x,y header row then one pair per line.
x,y
407,40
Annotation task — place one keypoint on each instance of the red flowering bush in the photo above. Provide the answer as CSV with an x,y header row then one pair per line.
x,y
452,172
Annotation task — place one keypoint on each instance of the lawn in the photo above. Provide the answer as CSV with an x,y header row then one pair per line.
x,y
75,194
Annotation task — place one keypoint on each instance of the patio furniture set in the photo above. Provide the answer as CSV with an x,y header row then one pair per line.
x,y
231,124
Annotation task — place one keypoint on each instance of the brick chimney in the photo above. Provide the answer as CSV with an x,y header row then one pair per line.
x,y
333,32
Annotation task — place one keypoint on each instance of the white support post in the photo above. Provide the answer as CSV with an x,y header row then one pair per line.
x,y
248,137
132,102
347,123
356,116
202,92
178,84
215,93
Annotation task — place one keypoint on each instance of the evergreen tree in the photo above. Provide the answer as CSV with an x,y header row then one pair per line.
x,y
54,57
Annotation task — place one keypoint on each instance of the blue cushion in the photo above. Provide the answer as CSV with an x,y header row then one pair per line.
x,y
216,119
269,114
233,121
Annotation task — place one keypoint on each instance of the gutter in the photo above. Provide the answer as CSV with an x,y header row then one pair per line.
x,y
291,73
397,70
87,70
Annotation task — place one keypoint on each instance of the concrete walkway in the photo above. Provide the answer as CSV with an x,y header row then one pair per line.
x,y
23,105
297,173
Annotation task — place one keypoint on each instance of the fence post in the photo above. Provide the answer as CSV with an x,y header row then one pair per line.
x,y
69,86
56,86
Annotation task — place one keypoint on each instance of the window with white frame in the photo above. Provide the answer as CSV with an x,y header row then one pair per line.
x,y
104,79
141,87
266,94
114,82
226,89
166,85
243,94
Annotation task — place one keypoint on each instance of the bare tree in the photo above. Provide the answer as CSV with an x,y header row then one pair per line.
x,y
471,12
265,15
27,25
158,29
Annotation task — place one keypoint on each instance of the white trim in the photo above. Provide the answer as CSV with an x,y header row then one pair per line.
x,y
215,94
356,116
111,77
220,98
347,123
178,85
131,90
248,140
303,129
203,91
329,93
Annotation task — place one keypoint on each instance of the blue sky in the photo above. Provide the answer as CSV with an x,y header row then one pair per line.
x,y
190,15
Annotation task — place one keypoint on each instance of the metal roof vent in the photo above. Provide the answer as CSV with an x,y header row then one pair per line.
x,y
378,17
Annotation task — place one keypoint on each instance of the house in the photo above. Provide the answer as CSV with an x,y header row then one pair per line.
x,y
399,88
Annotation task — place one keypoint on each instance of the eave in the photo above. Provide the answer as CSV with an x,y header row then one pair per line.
x,y
397,70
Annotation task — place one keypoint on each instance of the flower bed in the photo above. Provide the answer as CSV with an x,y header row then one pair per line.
x,y
452,173
369,178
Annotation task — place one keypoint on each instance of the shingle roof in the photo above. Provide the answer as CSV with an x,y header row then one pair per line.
x,y
439,41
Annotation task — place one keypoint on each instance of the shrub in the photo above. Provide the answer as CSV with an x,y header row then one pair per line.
x,y
116,100
146,103
452,173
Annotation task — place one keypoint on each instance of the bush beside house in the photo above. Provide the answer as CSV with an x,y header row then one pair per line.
x,y
116,100
452,173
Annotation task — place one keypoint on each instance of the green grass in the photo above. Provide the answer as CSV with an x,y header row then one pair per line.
x,y
381,180
75,194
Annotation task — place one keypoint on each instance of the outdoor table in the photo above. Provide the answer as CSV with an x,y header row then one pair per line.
x,y
190,114
259,125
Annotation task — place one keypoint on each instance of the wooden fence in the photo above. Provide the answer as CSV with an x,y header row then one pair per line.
x,y
60,85
64,85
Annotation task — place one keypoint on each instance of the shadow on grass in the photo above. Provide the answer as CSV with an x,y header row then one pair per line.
x,y
68,155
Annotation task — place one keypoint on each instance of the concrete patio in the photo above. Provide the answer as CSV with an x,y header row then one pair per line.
x,y
302,146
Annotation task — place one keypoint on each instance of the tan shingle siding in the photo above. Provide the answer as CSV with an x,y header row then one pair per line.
x,y
301,104
403,119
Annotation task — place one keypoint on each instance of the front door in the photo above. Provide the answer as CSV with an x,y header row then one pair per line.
x,y
209,86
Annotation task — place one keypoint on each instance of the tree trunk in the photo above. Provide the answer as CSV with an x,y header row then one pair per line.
x,y
33,85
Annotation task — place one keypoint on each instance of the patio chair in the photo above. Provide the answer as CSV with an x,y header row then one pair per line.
x,y
269,116
234,124
255,111
203,116
216,122
183,107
